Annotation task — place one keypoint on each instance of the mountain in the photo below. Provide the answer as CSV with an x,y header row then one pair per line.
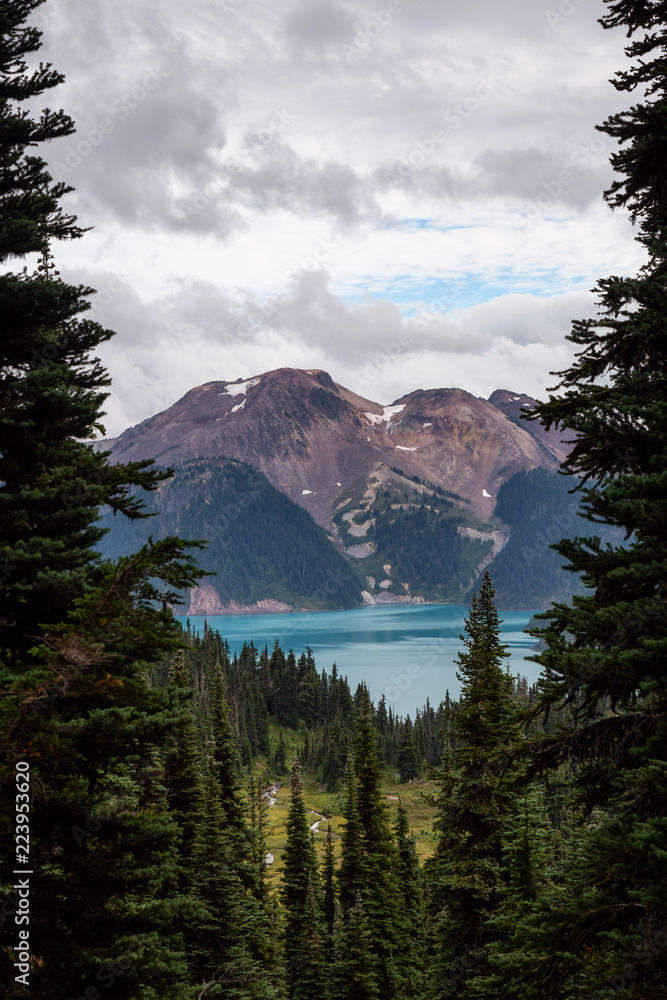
x,y
404,494
312,437
267,553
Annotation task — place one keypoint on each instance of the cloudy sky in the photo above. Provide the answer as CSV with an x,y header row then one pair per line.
x,y
407,193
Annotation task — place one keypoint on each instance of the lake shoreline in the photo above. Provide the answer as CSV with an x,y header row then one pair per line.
x,y
407,652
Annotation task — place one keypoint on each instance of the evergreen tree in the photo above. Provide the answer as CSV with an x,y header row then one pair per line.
x,y
464,874
372,807
380,890
353,973
77,636
310,979
102,843
407,760
52,481
536,881
183,778
412,950
280,758
222,954
353,870
299,872
328,885
604,655
226,753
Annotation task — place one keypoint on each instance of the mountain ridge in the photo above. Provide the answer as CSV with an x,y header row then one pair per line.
x,y
402,494
312,437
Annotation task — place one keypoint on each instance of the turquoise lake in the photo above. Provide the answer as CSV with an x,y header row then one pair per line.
x,y
404,651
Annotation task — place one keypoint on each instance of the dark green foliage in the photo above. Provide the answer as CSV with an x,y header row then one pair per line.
x,y
412,951
280,758
222,952
262,544
354,969
465,883
89,724
225,753
534,883
299,879
51,385
183,780
311,972
379,889
605,656
353,870
372,807
329,886
420,545
408,758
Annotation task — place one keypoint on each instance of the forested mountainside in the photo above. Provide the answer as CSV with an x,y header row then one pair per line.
x,y
410,540
261,544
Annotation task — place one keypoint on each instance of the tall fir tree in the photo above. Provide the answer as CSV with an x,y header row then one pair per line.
x,y
52,481
412,952
353,868
408,758
103,847
464,875
311,978
222,955
604,655
183,777
77,636
380,891
226,754
329,886
353,974
299,872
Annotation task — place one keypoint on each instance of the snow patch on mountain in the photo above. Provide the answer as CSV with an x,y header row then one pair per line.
x,y
387,413
234,388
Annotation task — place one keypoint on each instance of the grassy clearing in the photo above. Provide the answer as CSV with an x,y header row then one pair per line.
x,y
330,804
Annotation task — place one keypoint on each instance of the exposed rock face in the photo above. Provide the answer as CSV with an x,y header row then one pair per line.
x,y
205,600
514,405
312,437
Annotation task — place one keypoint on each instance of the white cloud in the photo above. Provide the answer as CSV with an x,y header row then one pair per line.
x,y
440,162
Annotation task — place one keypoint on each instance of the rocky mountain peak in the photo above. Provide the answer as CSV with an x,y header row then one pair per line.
x,y
312,437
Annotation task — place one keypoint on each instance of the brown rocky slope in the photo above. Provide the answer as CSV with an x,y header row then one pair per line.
x,y
312,438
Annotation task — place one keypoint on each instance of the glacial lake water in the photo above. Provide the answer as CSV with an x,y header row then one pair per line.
x,y
404,651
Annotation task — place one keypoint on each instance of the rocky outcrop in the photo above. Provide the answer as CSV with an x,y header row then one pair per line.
x,y
205,601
